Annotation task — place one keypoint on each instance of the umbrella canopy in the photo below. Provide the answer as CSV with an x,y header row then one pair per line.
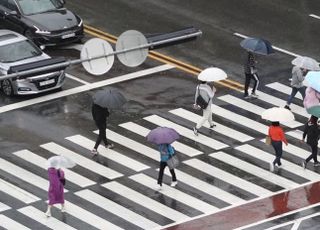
x,y
312,79
162,135
257,45
109,98
314,110
212,74
277,114
306,63
60,162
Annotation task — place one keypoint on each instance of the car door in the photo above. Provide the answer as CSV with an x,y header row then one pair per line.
x,y
10,17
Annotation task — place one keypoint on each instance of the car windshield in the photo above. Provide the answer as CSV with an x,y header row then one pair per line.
x,y
29,7
18,51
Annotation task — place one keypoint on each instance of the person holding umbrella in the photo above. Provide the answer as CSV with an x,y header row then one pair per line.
x,y
296,84
312,132
163,137
104,100
250,71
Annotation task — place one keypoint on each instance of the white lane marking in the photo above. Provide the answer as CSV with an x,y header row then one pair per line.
x,y
84,88
207,188
17,192
212,143
182,148
134,145
145,201
24,175
234,117
89,217
227,177
314,16
174,194
274,47
280,103
109,153
254,170
4,207
253,108
287,165
294,150
283,215
42,163
77,79
83,161
40,217
224,130
117,209
283,88
8,223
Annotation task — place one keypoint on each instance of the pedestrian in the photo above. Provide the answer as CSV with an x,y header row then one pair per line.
x,y
277,137
166,150
311,131
250,71
56,189
296,84
100,115
207,94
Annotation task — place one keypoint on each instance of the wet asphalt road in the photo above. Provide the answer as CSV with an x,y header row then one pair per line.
x,y
285,24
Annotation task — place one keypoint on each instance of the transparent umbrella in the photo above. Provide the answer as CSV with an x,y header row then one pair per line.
x,y
306,63
60,162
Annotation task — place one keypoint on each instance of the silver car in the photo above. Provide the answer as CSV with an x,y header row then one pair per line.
x,y
18,53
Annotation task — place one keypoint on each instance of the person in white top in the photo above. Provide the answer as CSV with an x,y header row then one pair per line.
x,y
207,94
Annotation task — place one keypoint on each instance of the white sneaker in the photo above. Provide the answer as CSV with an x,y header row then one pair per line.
x,y
254,95
174,183
271,167
110,146
195,131
94,152
63,209
159,187
48,213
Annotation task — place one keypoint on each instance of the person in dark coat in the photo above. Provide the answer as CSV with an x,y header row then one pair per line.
x,y
312,132
100,115
250,71
165,151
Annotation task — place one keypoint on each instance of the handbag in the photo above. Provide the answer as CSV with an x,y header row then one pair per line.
x,y
200,101
173,161
62,179
268,140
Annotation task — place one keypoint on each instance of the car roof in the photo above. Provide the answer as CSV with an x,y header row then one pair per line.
x,y
8,37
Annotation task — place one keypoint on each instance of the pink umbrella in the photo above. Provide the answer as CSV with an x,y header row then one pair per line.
x,y
162,135
312,102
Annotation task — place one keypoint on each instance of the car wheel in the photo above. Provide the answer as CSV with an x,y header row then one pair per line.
x,y
6,87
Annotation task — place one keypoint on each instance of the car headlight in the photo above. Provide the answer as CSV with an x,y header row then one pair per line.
x,y
80,23
39,31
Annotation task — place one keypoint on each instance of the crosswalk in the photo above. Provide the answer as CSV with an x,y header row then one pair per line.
x,y
223,167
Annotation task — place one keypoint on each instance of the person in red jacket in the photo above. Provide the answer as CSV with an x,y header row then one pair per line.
x,y
277,137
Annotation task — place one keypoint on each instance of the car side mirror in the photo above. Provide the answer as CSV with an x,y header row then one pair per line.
x,y
14,13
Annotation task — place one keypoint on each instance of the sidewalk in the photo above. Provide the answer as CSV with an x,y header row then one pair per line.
x,y
256,211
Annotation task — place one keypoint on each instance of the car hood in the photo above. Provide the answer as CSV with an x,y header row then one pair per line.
x,y
54,20
6,66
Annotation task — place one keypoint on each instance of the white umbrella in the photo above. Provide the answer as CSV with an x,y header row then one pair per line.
x,y
306,63
60,162
277,114
212,74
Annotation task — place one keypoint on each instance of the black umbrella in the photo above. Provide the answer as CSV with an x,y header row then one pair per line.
x,y
109,98
257,45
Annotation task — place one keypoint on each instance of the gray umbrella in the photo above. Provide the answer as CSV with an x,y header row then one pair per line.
x,y
109,98
257,45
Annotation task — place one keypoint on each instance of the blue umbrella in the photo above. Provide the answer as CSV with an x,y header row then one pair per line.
x,y
162,135
257,45
313,80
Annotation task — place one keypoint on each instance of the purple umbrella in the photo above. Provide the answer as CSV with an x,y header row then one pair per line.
x,y
162,135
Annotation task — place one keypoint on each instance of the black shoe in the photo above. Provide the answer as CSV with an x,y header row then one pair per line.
x,y
287,107
212,126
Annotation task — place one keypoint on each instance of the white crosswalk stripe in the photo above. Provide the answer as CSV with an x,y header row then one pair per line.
x,y
283,88
197,173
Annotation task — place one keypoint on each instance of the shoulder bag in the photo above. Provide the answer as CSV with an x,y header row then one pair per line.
x,y
200,101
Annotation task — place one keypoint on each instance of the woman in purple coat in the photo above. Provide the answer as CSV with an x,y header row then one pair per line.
x,y
56,189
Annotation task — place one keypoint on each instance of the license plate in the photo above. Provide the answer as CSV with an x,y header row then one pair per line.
x,y
68,35
48,82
